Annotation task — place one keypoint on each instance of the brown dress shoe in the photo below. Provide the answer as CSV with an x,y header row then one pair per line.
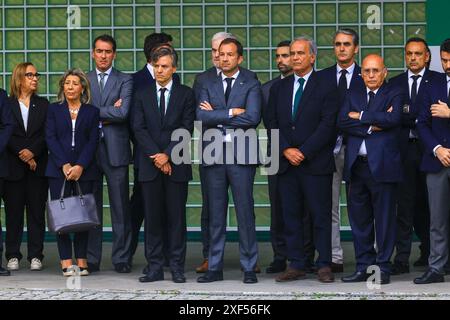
x,y
337,267
203,267
291,274
324,274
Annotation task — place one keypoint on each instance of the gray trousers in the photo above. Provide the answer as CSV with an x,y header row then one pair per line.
x,y
337,252
118,193
439,201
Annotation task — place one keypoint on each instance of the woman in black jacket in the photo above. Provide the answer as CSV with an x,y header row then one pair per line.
x,y
26,186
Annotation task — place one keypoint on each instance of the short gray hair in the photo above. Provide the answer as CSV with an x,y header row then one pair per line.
x,y
349,32
85,95
165,51
312,43
222,35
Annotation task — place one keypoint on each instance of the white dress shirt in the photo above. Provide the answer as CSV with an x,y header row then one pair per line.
x,y
24,111
166,93
105,79
297,86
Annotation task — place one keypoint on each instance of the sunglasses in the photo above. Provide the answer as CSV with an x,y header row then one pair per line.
x,y
31,75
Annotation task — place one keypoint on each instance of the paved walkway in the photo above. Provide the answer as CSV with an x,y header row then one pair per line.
x,y
107,284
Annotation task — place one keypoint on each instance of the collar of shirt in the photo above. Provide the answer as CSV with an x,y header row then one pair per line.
x,y
150,69
306,77
448,80
374,91
235,75
421,73
349,69
218,71
168,86
107,72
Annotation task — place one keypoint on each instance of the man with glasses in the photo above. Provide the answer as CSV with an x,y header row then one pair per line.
x,y
371,118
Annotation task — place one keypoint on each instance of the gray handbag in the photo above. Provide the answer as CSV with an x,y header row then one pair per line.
x,y
72,214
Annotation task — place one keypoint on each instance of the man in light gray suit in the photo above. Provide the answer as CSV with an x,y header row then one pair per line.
x,y
111,92
229,102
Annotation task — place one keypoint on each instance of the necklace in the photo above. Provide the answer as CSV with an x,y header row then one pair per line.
x,y
74,111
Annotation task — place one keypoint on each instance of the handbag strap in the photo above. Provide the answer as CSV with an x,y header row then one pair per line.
x,y
80,194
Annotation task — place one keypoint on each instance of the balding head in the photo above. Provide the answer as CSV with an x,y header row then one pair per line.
x,y
373,71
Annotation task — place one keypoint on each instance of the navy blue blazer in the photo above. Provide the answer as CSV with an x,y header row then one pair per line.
x,y
6,129
329,76
432,130
153,137
58,135
409,119
383,149
313,131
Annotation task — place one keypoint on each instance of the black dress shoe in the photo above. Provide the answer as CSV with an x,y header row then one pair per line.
x,y
122,268
145,270
399,268
447,269
4,272
210,276
178,277
276,266
430,276
92,267
250,277
357,276
152,276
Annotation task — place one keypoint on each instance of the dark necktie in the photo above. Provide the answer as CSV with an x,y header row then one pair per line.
x,y
342,85
371,97
298,96
162,103
448,97
414,88
102,81
228,88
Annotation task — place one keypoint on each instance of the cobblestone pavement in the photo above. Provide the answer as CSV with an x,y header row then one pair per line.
x,y
90,294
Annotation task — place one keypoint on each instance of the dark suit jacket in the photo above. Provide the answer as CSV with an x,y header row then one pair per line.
x,y
313,131
245,93
409,119
58,135
153,137
33,139
265,89
383,149
6,129
329,76
432,130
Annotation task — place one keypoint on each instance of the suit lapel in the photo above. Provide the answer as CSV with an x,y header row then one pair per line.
x,y
288,95
173,102
218,88
110,84
32,116
378,97
236,89
95,89
17,113
308,90
150,101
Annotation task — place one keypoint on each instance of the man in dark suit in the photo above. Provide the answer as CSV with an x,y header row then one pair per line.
x,y
371,118
6,129
434,130
143,77
230,108
412,203
304,110
345,74
111,92
278,264
160,109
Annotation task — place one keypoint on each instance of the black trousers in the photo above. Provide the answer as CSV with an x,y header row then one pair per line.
x,y
412,206
165,214
30,194
80,239
1,235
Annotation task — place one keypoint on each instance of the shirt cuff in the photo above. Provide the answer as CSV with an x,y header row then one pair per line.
x,y
370,130
230,113
435,148
360,115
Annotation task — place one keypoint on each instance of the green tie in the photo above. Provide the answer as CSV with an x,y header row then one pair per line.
x,y
298,96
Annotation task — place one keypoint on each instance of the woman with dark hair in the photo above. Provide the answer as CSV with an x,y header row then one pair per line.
x,y
26,185
72,135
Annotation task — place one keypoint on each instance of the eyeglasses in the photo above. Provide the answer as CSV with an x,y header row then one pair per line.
x,y
30,75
